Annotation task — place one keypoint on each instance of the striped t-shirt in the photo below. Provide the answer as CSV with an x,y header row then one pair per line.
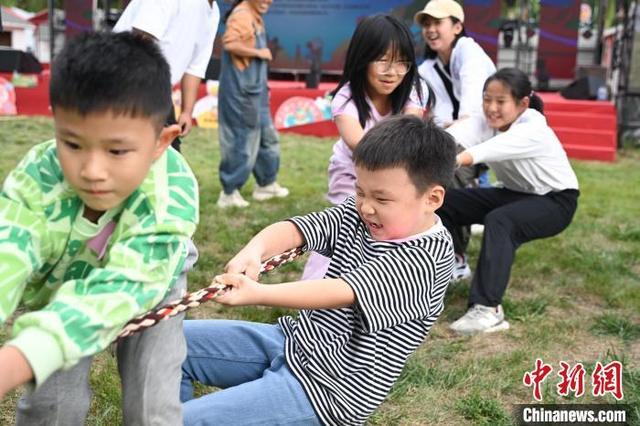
x,y
348,359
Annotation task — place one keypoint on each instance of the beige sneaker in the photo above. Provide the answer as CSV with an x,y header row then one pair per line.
x,y
267,192
231,200
481,319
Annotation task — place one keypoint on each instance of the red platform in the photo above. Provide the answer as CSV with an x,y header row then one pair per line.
x,y
587,129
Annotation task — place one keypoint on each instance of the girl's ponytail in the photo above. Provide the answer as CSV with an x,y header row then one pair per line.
x,y
536,103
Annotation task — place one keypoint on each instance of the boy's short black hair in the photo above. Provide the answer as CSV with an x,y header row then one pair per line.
x,y
118,72
425,151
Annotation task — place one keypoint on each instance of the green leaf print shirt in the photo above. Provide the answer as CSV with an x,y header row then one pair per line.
x,y
82,281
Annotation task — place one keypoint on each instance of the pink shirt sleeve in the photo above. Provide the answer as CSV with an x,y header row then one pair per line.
x,y
342,104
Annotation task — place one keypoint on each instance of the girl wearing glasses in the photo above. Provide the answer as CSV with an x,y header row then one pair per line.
x,y
379,79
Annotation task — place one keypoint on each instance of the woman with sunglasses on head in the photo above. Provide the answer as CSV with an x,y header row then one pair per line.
x,y
381,50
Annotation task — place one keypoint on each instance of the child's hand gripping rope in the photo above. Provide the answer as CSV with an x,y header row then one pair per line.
x,y
196,298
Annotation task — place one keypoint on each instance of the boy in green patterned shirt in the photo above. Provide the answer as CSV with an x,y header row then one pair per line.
x,y
95,229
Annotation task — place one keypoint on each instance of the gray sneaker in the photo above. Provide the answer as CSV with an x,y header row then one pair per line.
x,y
461,270
481,319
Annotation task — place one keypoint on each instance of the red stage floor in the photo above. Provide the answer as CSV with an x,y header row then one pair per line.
x,y
587,129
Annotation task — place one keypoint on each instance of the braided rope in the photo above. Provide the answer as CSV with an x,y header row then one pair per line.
x,y
191,300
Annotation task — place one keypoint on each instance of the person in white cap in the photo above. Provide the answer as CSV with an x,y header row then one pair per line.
x,y
456,67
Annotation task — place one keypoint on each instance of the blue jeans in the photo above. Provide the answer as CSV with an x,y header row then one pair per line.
x,y
483,180
245,150
248,139
247,361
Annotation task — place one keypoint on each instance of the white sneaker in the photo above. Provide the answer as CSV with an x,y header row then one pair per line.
x,y
477,229
481,319
267,192
231,200
461,270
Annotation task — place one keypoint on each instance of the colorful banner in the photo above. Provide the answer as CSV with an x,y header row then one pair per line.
x,y
558,45
78,16
482,23
302,30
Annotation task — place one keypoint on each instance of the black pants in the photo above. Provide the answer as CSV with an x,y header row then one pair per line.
x,y
171,119
510,219
466,177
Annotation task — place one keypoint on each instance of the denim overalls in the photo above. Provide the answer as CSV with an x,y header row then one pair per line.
x,y
248,139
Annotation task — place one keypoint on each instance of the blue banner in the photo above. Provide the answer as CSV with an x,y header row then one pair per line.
x,y
299,29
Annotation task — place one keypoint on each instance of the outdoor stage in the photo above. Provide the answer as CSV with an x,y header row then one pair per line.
x,y
587,129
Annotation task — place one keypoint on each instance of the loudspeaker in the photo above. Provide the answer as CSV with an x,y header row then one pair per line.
x,y
583,88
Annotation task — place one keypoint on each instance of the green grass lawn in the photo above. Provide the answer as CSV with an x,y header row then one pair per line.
x,y
573,298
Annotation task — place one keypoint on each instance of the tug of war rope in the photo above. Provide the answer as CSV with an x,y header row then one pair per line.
x,y
191,300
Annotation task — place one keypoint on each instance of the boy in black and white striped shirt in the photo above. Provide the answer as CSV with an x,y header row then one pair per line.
x,y
391,260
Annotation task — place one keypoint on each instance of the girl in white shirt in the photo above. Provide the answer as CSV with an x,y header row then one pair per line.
x,y
538,200
455,65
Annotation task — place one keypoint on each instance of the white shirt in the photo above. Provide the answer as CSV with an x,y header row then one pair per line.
x,y
185,30
528,157
470,67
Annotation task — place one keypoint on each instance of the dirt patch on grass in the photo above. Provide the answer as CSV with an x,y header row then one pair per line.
x,y
487,346
8,408
633,355
585,347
